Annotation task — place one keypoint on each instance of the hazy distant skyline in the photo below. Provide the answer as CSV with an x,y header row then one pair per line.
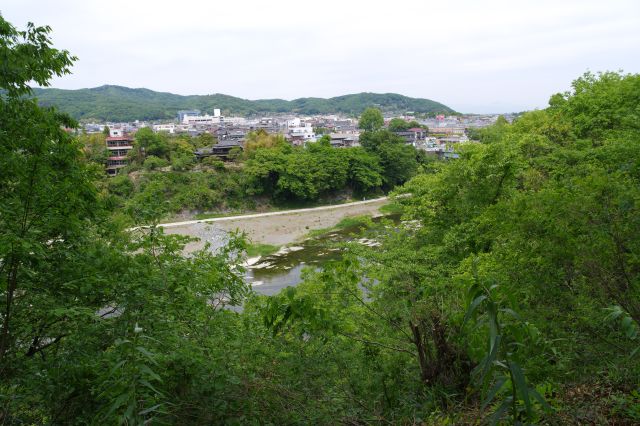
x,y
474,56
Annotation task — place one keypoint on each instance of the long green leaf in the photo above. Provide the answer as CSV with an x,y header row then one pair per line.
x,y
150,409
150,386
521,385
497,415
150,372
472,308
541,400
490,358
493,392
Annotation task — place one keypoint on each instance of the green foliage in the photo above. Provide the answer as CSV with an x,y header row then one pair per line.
x,y
545,207
121,185
397,159
306,174
203,140
129,390
600,106
173,192
261,139
45,191
214,162
261,249
235,154
28,56
365,172
95,148
152,163
152,143
627,324
362,221
181,162
500,368
391,208
399,125
371,120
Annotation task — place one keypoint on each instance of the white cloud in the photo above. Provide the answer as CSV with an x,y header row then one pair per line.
x,y
472,55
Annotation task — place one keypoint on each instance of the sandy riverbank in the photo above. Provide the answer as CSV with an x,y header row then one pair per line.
x,y
276,229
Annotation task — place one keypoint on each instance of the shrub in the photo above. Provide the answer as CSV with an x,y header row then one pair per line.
x,y
152,162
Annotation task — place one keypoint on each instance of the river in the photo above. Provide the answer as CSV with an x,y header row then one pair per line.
x,y
270,274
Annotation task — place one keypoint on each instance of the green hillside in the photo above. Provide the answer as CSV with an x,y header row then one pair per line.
x,y
117,103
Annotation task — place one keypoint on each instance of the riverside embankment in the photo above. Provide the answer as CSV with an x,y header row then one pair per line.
x,y
275,228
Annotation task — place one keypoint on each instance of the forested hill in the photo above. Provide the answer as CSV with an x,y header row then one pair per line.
x,y
117,103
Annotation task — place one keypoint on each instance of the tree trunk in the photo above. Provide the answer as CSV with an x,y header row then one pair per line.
x,y
422,353
12,280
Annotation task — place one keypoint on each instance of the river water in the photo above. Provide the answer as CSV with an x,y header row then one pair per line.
x,y
270,274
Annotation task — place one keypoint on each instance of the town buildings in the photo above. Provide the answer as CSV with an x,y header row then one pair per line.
x,y
438,135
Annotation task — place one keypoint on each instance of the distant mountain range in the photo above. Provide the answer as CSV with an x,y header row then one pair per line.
x,y
117,103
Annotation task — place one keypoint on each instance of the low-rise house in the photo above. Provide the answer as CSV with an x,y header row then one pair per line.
x,y
344,140
413,136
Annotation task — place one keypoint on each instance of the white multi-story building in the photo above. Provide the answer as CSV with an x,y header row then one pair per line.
x,y
235,120
301,134
203,119
169,128
294,122
116,132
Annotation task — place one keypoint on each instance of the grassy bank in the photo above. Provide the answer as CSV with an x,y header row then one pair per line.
x,y
362,221
261,250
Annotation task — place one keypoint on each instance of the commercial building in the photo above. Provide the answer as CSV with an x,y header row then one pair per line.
x,y
203,119
187,112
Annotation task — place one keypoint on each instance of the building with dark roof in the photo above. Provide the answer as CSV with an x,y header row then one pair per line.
x,y
220,150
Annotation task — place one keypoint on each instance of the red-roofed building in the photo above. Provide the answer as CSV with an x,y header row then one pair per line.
x,y
119,146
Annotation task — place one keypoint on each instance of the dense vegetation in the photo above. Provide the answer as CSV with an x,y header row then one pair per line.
x,y
510,295
116,103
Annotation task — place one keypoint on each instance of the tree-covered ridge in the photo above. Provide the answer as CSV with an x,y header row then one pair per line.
x,y
117,103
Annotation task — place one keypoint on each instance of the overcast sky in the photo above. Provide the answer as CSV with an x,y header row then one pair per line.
x,y
475,56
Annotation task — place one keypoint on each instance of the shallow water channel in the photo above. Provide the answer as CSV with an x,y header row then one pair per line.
x,y
270,274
